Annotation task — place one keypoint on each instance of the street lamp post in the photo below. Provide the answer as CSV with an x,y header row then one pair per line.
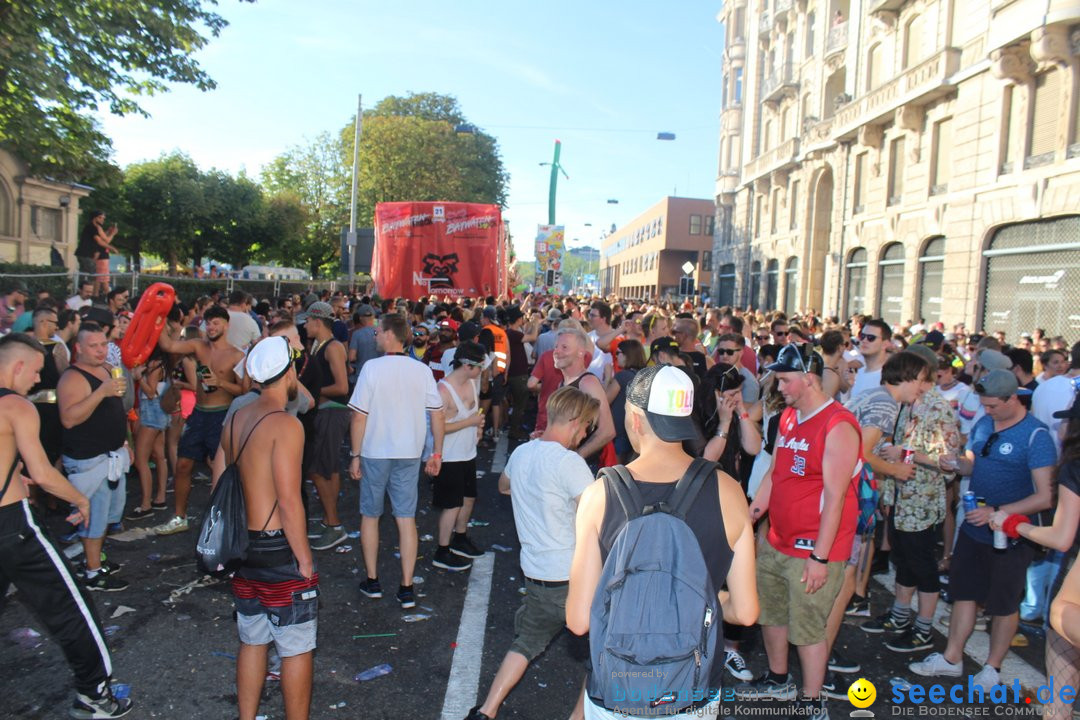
x,y
351,237
556,168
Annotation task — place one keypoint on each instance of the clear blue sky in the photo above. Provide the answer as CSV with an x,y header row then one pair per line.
x,y
602,76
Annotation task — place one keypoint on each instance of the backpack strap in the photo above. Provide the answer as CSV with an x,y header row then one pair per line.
x,y
236,459
620,484
690,484
4,392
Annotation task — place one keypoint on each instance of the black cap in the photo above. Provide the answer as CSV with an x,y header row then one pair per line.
x,y
792,358
513,315
468,331
1069,413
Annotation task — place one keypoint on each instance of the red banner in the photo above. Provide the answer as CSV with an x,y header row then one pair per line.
x,y
438,248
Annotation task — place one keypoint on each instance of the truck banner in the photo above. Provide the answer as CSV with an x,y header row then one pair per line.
x,y
550,248
439,248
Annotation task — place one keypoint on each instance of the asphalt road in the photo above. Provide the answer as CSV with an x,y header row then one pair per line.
x,y
177,655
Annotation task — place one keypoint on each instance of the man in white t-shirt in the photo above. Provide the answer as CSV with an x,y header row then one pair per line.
x,y
1056,394
84,298
243,330
873,337
544,478
398,392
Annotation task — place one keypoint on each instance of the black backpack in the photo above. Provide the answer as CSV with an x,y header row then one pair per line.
x,y
222,543
654,618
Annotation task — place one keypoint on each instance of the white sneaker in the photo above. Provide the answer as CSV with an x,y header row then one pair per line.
x,y
935,664
986,678
175,525
736,666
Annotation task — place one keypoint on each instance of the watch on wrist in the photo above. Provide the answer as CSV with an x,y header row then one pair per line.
x,y
721,434
816,559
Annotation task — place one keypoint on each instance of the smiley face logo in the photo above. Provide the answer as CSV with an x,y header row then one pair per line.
x,y
862,693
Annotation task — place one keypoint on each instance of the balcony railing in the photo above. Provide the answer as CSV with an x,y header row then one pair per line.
x,y
778,83
781,8
781,156
885,5
764,23
918,85
837,39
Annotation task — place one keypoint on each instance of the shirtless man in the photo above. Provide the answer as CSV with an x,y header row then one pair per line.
x,y
217,387
28,557
571,354
276,589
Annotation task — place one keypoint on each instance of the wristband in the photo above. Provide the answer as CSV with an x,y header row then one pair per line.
x,y
816,559
436,455
721,434
1011,523
744,416
354,454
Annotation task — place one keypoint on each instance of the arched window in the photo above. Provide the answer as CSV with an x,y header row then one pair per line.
x,y
5,211
874,59
755,285
931,272
791,281
913,41
856,282
891,284
772,284
726,284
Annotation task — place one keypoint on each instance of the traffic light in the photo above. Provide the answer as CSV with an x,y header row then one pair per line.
x,y
686,285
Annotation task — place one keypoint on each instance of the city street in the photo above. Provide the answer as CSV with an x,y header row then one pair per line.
x,y
176,648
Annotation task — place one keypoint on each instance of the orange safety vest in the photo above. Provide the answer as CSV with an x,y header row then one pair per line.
x,y
502,348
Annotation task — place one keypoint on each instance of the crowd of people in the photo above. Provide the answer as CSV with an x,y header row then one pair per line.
x,y
804,454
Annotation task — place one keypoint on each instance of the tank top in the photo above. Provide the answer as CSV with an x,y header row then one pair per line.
x,y
104,431
460,445
50,374
798,483
707,522
593,460
326,378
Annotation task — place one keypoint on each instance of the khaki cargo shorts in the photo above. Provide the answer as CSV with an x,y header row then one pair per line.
x,y
784,600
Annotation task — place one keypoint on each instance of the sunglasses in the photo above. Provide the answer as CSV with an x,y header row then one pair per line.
x,y
723,351
989,444
871,338
419,334
780,334
763,338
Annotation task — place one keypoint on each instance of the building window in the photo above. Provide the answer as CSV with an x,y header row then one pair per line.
x,y
710,225
759,202
45,223
706,261
740,23
724,91
738,85
755,284
791,280
772,284
793,205
766,136
873,67
785,120
931,275
5,210
1012,126
1042,133
809,50
860,183
891,284
695,224
856,283
913,41
774,210
941,160
896,170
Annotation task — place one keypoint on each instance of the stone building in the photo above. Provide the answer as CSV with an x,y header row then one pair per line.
x,y
36,214
903,158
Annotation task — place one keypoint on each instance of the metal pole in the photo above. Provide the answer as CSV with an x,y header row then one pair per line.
x,y
554,183
351,238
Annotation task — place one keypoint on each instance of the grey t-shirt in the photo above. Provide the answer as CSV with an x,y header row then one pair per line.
x,y
363,342
875,408
751,388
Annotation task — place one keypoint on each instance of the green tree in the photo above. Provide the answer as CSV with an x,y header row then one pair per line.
x,y
233,225
165,203
61,59
316,177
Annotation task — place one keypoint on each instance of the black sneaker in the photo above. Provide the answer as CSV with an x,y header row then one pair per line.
x,y
858,607
460,544
885,624
158,506
371,588
105,583
810,709
829,688
840,664
475,714
108,567
105,705
138,513
764,687
447,560
406,598
911,641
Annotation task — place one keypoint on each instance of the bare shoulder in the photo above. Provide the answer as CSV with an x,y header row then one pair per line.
x,y
592,504
733,505
591,384
14,408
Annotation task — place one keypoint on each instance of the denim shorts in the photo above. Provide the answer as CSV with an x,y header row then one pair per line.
x,y
106,503
399,477
150,413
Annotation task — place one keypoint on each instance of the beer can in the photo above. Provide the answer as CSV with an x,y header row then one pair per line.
x,y
117,372
1001,540
908,454
969,502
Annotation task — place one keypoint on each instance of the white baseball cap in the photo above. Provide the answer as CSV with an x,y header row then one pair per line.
x,y
269,359
666,394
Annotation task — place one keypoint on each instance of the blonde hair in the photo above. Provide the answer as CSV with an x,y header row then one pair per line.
x,y
568,403
583,339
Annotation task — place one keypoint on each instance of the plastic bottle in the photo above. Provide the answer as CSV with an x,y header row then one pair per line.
x,y
372,673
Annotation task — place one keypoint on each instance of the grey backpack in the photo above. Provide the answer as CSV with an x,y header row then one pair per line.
x,y
654,618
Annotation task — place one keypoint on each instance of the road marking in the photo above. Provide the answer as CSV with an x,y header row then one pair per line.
x,y
978,645
498,462
464,684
